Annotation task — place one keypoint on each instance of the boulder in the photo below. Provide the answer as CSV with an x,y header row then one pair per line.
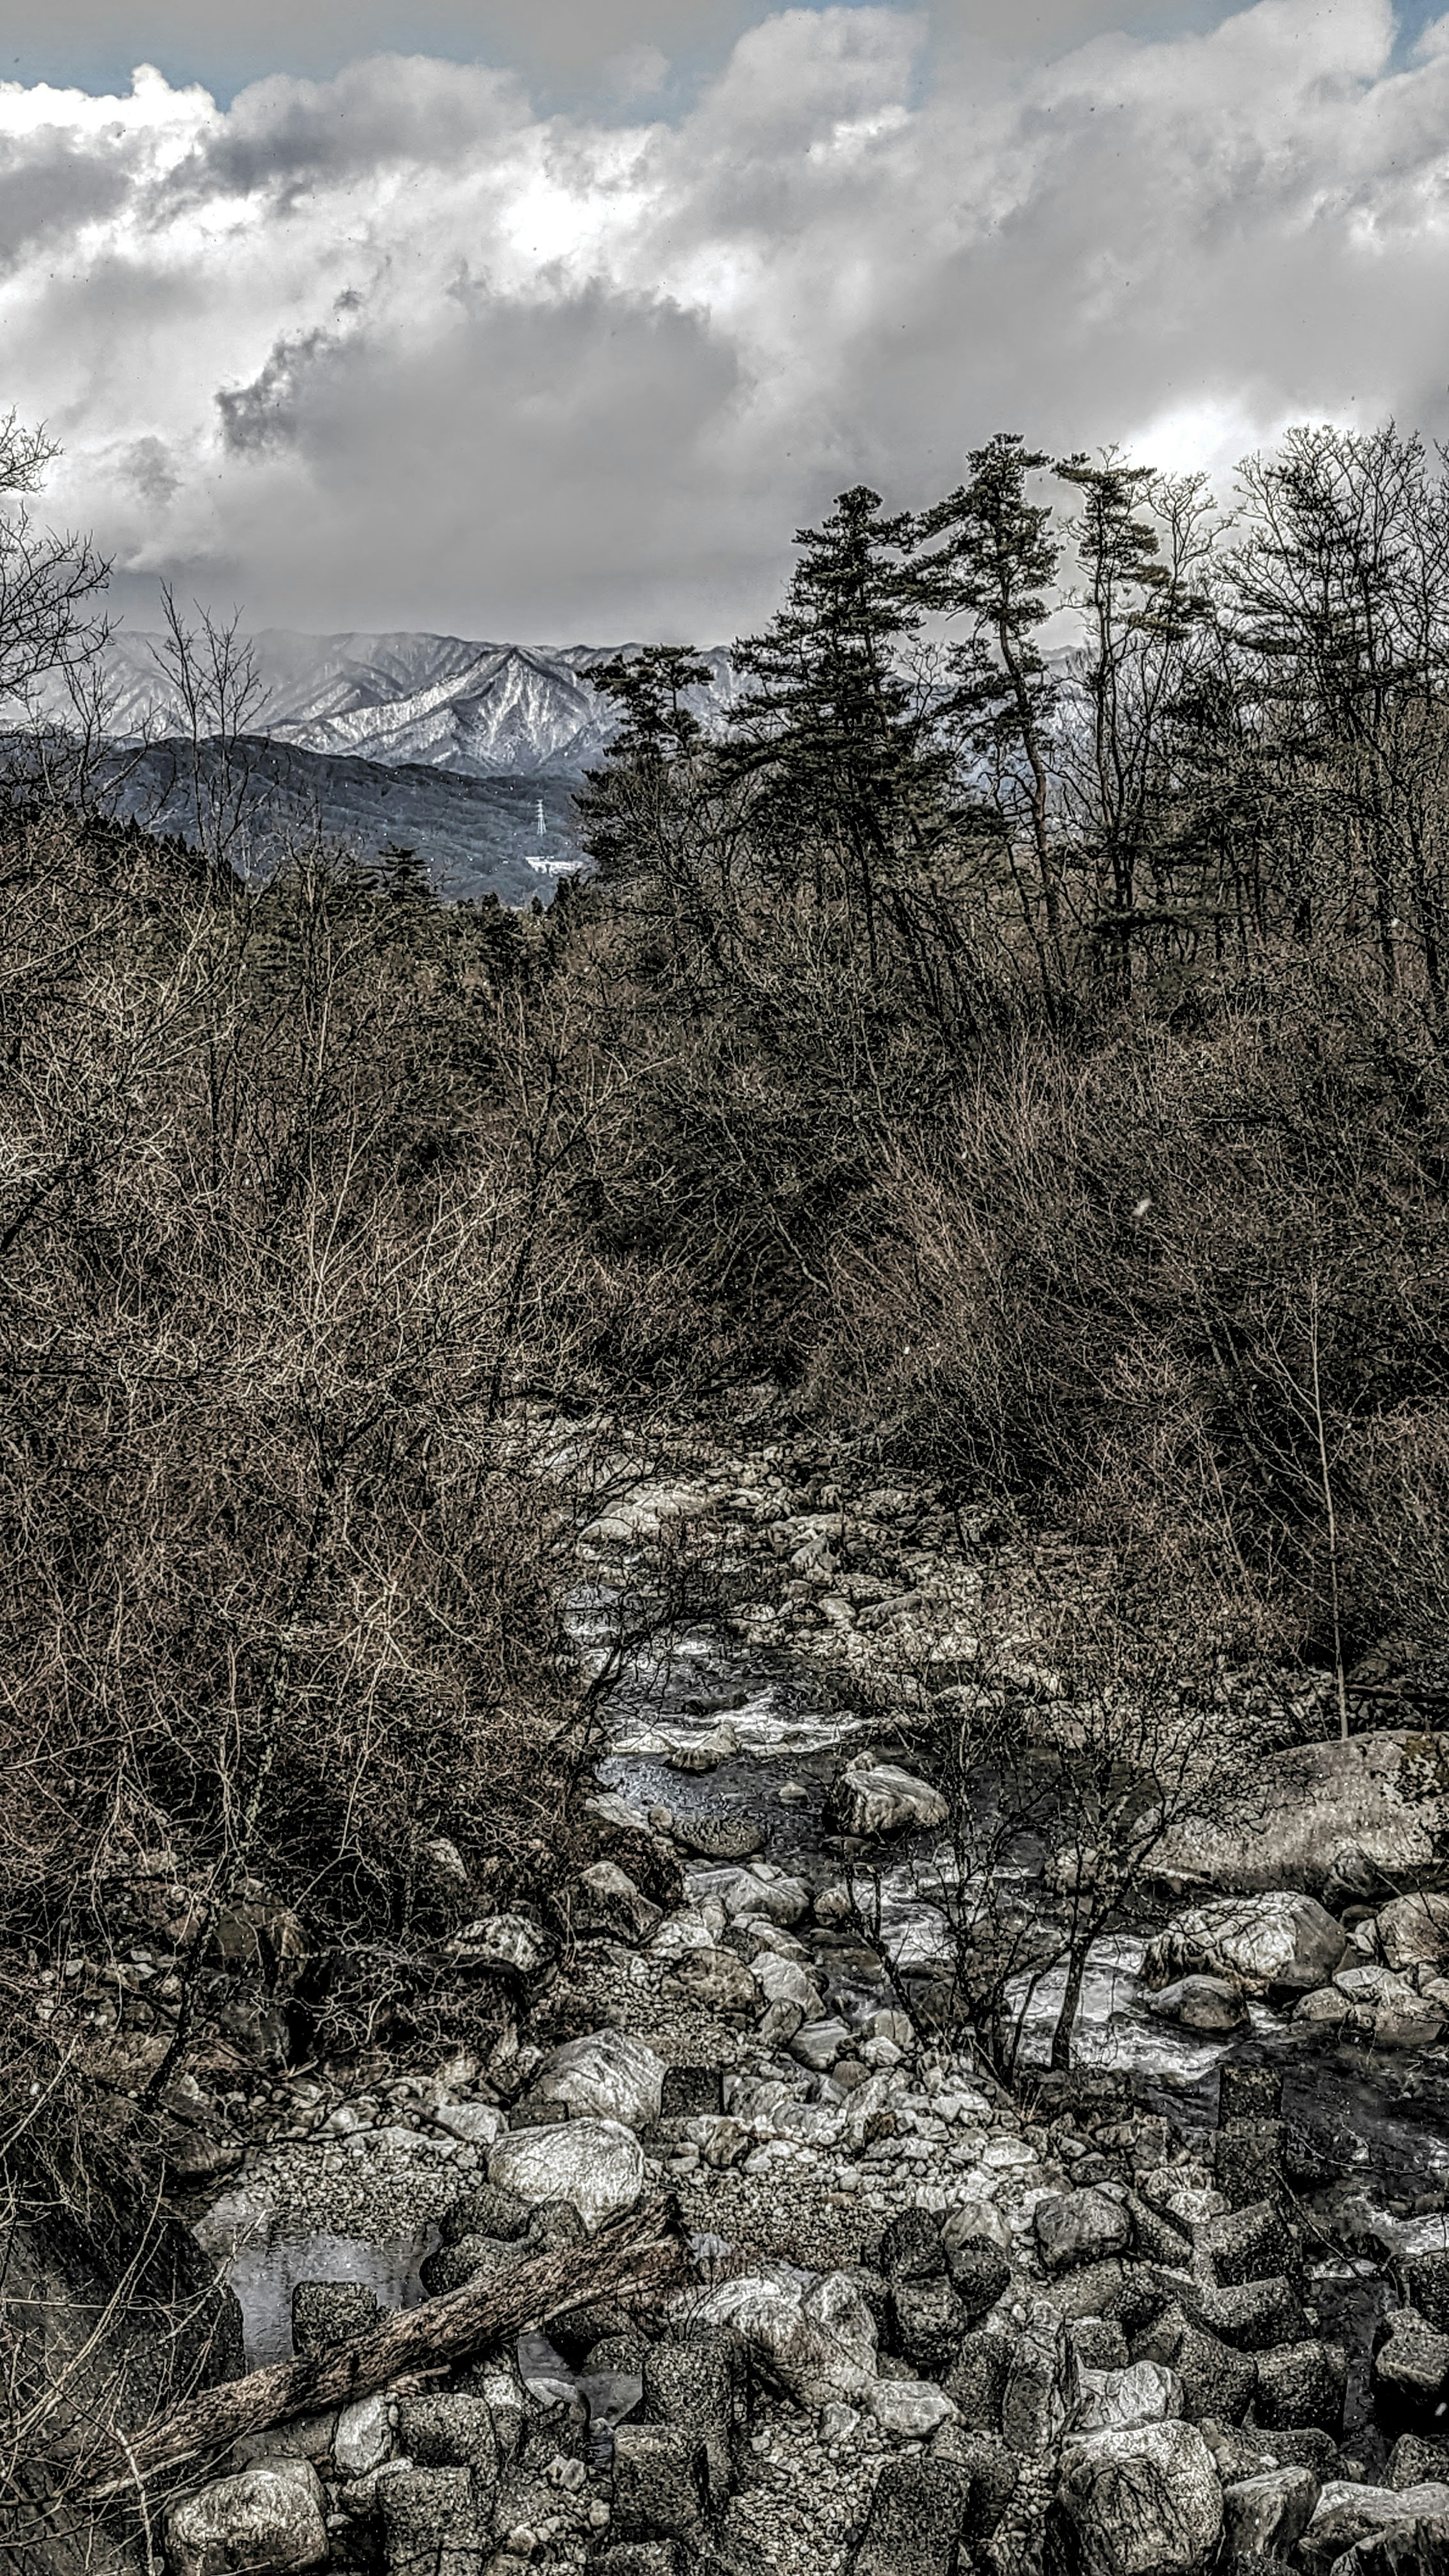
x,y
1347,2514
1043,2385
818,2346
661,2482
1099,2343
719,1837
603,2077
760,1893
819,2045
595,2165
1414,2462
1112,2401
1372,1806
1208,2004
1411,2375
1424,2278
928,2322
1401,2549
1301,2384
783,1981
1140,2503
431,2523
269,2520
721,2141
1252,2244
329,2312
914,2522
1266,2516
505,1941
1389,2007
1217,2382
363,2439
1253,2316
1248,2160
1280,1942
606,1900
1080,2227
467,2258
450,2430
879,1798
910,2409
976,2381
1413,1932
912,2248
700,2380
486,2211
992,2471
718,1982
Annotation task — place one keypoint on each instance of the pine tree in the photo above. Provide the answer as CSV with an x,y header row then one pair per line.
x,y
997,567
844,753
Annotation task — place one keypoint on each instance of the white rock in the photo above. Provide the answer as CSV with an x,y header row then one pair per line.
x,y
783,1981
818,2347
604,2076
598,2165
269,2519
1143,2500
363,2437
1112,2401
1280,1940
879,1798
910,2408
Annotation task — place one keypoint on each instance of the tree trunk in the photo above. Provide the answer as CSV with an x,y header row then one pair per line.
x,y
639,2253
1066,2019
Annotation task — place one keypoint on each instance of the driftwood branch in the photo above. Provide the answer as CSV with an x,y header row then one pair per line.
x,y
641,2253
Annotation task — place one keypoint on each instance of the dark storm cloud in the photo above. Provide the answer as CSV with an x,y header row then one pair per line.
x,y
396,348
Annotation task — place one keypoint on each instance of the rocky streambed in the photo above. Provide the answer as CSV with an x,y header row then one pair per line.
x,y
1187,2305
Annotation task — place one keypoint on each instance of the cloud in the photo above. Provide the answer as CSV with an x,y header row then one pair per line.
x,y
395,348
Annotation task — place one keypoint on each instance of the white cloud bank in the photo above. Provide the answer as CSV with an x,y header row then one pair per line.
x,y
393,350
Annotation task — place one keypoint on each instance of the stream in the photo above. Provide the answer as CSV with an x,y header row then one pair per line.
x,y
1389,2110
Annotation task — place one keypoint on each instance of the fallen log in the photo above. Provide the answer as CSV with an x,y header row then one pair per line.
x,y
641,2253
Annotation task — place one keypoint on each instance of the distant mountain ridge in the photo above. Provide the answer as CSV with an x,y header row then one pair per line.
x,y
480,710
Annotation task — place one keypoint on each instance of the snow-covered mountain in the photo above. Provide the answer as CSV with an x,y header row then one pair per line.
x,y
437,701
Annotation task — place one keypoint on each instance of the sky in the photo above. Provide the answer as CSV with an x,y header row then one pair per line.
x,y
552,319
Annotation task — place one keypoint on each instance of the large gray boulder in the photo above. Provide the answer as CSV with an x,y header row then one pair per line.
x,y
1411,2375
1217,2383
269,2520
1302,2384
718,1982
604,2076
880,1798
1140,2503
819,2345
432,2523
1076,2227
1413,1932
1280,1942
661,2482
914,2523
1346,2514
1043,2385
1207,2004
605,1899
1364,1810
1266,2516
1112,2401
595,2165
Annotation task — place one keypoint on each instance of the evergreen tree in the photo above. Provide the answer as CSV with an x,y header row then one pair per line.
x,y
844,752
995,563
